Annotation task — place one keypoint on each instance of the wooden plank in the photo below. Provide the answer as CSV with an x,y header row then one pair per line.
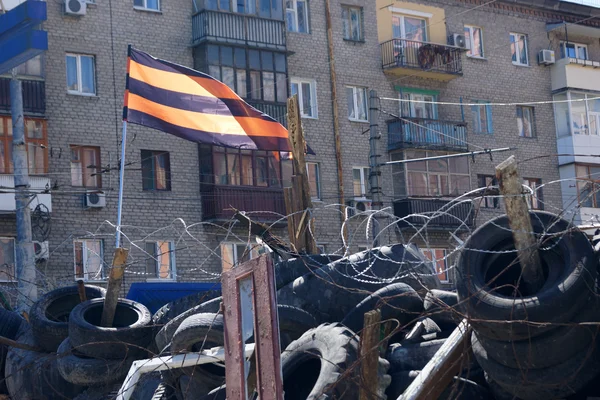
x,y
297,187
441,369
278,245
369,355
288,196
519,221
22,346
115,280
81,291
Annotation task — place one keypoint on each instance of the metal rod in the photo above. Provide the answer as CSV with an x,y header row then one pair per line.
x,y
25,254
374,174
471,153
121,177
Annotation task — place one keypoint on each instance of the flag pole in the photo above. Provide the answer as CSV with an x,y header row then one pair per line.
x,y
121,177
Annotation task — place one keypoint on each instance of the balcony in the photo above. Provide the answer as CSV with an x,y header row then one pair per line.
x,y
34,96
276,111
37,185
241,29
575,73
423,59
219,200
426,133
437,213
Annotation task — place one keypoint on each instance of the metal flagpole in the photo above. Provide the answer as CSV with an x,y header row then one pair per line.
x,y
121,176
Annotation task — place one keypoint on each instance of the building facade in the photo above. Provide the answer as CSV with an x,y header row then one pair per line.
x,y
451,76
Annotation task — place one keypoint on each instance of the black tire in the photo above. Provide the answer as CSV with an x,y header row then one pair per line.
x,y
550,348
440,306
287,271
176,307
486,294
396,301
412,356
34,376
49,316
129,336
86,371
293,322
546,383
191,387
323,363
401,380
10,322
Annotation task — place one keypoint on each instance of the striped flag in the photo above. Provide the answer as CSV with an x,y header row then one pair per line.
x,y
194,106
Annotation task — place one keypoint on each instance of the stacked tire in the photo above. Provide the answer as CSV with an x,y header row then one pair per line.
x,y
532,344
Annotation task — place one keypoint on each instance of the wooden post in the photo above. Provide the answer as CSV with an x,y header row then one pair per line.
x,y
369,355
81,291
23,346
115,279
519,221
441,369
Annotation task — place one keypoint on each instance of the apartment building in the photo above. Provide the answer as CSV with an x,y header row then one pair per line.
x,y
179,196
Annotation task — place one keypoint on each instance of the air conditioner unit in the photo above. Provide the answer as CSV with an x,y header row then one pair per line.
x,y
75,7
95,198
41,250
357,206
546,57
458,40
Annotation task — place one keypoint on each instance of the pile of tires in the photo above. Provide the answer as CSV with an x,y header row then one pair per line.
x,y
532,345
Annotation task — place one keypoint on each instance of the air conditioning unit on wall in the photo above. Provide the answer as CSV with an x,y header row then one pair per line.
x,y
546,57
41,250
357,206
95,199
458,40
75,7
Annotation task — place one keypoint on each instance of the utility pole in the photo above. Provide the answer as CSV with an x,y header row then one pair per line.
x,y
375,173
25,263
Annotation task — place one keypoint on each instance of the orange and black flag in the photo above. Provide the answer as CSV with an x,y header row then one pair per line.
x,y
194,106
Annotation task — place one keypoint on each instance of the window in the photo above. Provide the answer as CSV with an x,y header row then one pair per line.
x,y
297,15
518,48
588,185
234,253
525,121
482,117
36,138
31,67
249,167
152,5
409,28
474,39
85,166
156,170
89,259
534,198
360,182
352,23
81,74
7,260
362,248
307,96
357,103
577,113
418,105
487,181
160,260
573,50
439,257
266,8
441,177
314,180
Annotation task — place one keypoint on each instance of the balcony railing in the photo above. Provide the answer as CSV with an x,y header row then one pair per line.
x,y
34,96
241,29
276,111
219,200
430,57
436,213
426,133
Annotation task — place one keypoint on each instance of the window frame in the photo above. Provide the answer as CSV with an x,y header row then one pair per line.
x,y
145,6
482,104
435,260
313,93
521,121
253,252
98,168
154,257
365,184
471,29
488,202
85,274
355,103
294,10
516,36
6,144
577,46
403,26
14,266
416,100
153,157
537,193
238,153
79,91
429,173
579,180
314,196
348,23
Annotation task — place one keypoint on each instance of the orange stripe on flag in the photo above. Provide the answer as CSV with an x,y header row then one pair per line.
x,y
216,88
261,127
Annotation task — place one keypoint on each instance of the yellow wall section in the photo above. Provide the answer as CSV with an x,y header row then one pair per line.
x,y
436,32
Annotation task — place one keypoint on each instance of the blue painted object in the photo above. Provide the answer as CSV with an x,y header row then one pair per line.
x,y
156,295
21,47
23,17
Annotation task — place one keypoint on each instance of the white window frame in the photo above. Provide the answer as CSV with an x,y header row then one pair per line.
x,y
294,10
402,16
146,8
253,250
84,252
315,196
313,93
535,195
577,47
518,52
14,258
418,100
483,105
79,80
470,48
355,90
521,125
364,182
434,261
361,33
172,264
